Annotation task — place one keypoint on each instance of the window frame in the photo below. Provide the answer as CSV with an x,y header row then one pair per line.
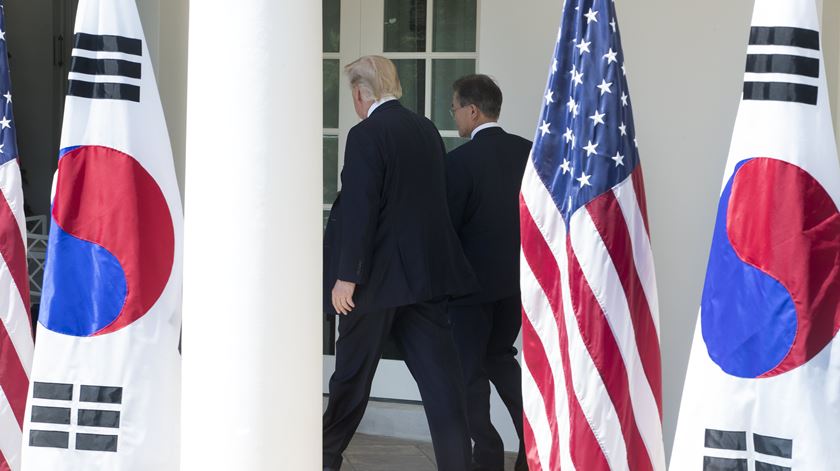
x,y
428,55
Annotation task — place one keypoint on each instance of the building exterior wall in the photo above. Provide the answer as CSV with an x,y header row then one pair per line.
x,y
685,64
685,67
172,75
515,43
831,40
166,25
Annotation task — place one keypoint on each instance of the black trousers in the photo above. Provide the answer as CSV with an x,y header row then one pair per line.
x,y
424,335
484,335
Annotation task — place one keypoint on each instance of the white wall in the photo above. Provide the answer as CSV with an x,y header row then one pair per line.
x,y
172,77
685,75
518,59
831,36
685,64
165,24
516,42
150,16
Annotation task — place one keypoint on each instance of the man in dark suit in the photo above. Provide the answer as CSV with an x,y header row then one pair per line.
x,y
391,260
483,180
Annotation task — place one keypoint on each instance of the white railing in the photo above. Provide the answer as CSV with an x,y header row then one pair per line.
x,y
37,235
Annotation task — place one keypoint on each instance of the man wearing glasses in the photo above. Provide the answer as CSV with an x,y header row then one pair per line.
x,y
483,182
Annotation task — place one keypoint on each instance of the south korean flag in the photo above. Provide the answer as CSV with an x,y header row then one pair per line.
x,y
762,390
106,374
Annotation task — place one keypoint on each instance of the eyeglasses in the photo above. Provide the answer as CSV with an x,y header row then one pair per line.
x,y
453,110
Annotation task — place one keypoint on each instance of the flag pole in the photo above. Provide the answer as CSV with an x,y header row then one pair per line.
x,y
252,360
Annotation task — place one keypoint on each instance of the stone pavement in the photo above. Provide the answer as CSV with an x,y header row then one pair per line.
x,y
372,453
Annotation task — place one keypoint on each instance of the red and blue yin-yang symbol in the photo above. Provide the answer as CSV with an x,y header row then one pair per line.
x,y
111,247
772,296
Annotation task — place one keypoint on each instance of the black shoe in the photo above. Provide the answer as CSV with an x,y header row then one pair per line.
x,y
327,468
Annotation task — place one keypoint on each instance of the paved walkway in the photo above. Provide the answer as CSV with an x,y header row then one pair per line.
x,y
371,453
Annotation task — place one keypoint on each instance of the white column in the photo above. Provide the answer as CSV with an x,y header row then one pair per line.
x,y
252,282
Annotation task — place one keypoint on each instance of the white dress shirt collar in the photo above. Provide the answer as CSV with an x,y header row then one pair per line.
x,y
378,103
491,124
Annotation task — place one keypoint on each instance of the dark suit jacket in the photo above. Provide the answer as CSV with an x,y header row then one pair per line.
x,y
389,230
483,182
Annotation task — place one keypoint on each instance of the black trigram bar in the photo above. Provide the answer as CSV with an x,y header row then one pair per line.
x,y
54,391
783,64
762,466
104,90
781,447
784,36
86,65
711,463
99,418
108,43
95,442
51,415
49,439
781,91
723,440
102,394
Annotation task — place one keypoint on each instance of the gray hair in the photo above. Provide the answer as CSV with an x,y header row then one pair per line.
x,y
375,76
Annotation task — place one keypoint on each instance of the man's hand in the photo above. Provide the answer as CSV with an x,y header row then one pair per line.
x,y
342,296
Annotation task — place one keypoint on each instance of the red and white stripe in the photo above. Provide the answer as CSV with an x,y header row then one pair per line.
x,y
16,341
592,382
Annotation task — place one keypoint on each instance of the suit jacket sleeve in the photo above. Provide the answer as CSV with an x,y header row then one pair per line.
x,y
458,191
361,187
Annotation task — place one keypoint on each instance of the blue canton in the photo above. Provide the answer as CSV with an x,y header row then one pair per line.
x,y
8,141
585,143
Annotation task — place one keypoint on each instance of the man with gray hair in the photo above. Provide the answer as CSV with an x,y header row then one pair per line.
x,y
391,261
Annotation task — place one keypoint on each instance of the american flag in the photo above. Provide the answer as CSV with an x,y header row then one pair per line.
x,y
592,386
16,342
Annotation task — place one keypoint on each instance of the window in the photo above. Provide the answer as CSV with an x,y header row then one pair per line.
x,y
432,43
332,81
332,75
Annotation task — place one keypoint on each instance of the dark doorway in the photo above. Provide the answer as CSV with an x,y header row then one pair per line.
x,y
38,36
